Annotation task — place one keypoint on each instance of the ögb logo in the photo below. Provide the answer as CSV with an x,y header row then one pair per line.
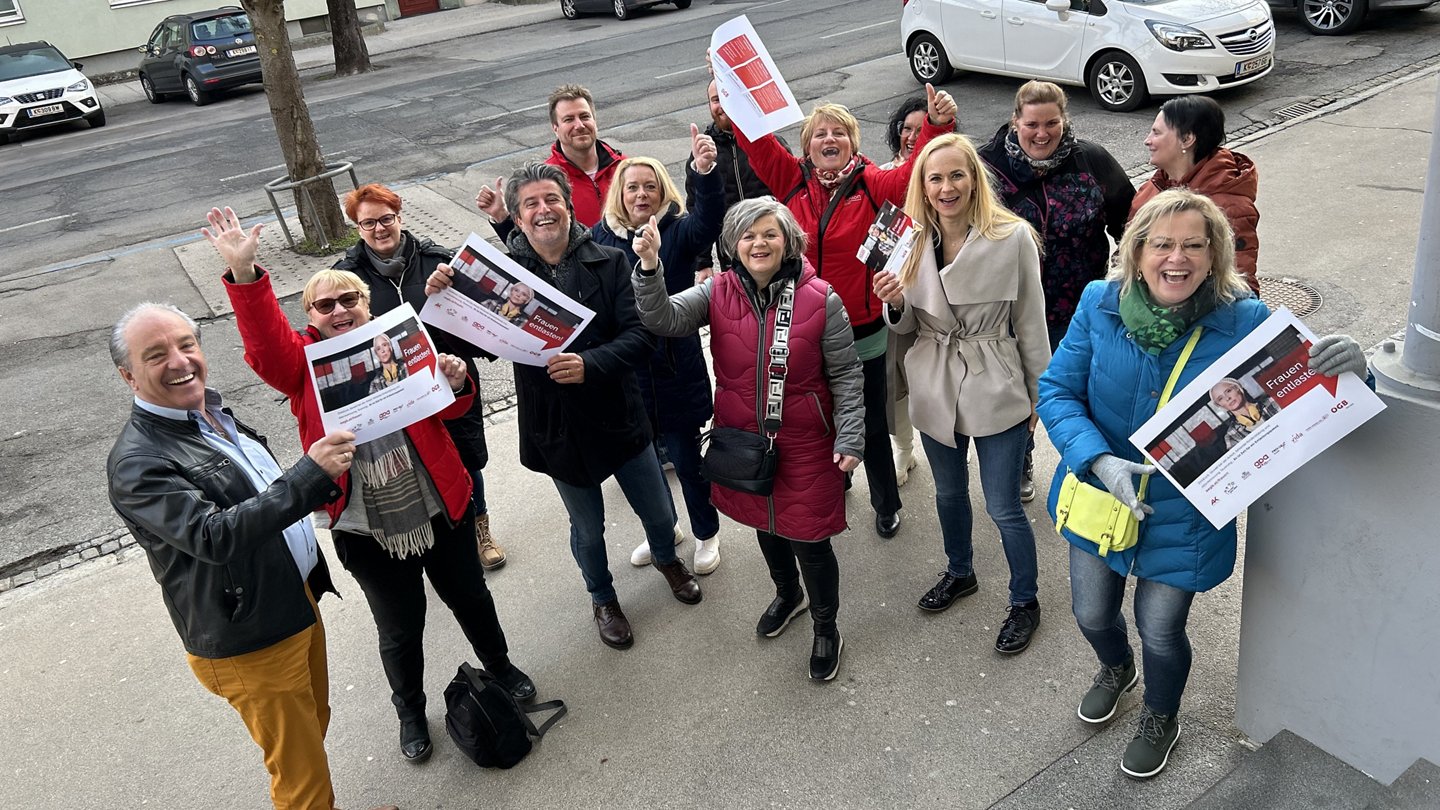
x,y
1342,404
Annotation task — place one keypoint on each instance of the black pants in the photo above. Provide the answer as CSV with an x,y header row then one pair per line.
x,y
396,593
879,464
817,565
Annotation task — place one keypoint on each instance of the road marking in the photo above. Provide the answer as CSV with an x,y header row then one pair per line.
x,y
503,114
768,5
247,174
36,222
686,70
861,28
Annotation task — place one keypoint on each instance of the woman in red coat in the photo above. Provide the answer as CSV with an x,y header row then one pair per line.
x,y
1184,144
834,193
406,513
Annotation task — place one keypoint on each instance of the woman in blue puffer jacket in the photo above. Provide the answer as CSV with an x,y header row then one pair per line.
x,y
675,383
1176,276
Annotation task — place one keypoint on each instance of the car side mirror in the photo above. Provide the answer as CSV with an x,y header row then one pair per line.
x,y
76,65
145,49
1060,7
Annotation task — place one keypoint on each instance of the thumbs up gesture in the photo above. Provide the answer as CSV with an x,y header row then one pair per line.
x,y
940,106
491,202
647,245
702,148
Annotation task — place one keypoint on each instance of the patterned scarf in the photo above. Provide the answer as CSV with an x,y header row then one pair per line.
x,y
559,273
832,179
1155,326
394,508
1039,167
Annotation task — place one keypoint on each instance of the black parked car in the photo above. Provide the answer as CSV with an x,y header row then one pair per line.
x,y
620,8
199,54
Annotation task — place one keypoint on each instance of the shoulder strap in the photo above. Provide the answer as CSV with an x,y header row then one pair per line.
x,y
779,359
1170,388
538,732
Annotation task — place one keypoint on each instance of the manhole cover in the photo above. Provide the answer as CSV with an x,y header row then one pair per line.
x,y
1288,292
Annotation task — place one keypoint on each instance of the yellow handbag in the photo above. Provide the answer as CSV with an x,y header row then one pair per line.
x,y
1096,515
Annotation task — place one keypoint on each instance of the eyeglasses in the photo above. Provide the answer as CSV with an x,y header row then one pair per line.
x,y
383,222
1164,246
325,306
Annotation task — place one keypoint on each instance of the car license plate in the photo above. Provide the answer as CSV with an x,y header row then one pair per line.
x,y
233,52
1255,65
48,109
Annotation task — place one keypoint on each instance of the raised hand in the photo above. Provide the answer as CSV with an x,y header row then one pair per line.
x,y
442,279
491,202
939,106
702,149
234,244
333,452
647,245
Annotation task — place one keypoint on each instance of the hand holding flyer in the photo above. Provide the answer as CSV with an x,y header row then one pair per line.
x,y
752,91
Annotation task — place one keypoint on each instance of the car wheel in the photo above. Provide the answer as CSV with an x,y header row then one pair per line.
x,y
682,4
1117,83
199,97
1332,17
97,120
567,7
621,11
150,94
928,60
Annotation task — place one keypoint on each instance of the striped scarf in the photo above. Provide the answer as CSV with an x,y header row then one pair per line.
x,y
394,506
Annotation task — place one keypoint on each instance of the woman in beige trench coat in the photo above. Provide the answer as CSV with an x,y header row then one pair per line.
x,y
970,292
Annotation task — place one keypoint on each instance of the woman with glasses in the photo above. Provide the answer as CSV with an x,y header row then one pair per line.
x,y
406,514
395,263
1176,282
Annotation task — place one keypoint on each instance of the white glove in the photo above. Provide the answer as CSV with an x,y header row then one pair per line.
x,y
1118,476
1334,355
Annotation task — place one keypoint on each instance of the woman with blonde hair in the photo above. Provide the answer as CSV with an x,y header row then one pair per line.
x,y
970,291
674,383
835,193
388,369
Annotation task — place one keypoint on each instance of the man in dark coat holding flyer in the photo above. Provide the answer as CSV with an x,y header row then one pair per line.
x,y
581,416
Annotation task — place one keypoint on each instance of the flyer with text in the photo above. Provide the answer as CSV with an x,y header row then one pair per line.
x,y
752,91
378,378
888,242
503,308
1252,418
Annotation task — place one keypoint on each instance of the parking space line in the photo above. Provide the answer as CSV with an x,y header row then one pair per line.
x,y
678,72
247,174
861,28
503,114
36,222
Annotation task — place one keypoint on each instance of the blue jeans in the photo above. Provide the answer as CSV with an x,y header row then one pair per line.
x,y
1097,594
644,487
683,449
1001,458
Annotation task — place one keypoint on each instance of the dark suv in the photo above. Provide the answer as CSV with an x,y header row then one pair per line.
x,y
199,54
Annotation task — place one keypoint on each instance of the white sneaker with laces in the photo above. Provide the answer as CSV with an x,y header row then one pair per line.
x,y
641,556
707,555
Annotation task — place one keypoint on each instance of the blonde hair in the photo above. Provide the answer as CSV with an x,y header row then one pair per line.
x,y
615,197
990,218
339,279
833,112
1038,92
1229,284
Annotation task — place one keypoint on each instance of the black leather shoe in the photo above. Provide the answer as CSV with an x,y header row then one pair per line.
x,y
682,582
825,657
1019,626
517,683
887,525
415,740
614,627
947,590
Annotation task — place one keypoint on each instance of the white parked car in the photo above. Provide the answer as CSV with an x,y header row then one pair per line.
x,y
39,87
1123,50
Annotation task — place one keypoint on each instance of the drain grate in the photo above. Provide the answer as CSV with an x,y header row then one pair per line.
x,y
1302,299
1295,110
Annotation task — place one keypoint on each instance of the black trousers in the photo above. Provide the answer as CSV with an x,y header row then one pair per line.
x,y
395,590
817,565
879,464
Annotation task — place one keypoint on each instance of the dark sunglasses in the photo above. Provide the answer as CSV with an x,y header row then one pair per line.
x,y
325,306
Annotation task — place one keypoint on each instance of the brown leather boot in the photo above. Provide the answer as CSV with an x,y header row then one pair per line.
x,y
492,556
614,627
682,582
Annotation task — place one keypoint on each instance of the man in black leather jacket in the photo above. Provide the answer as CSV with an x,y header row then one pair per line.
x,y
227,537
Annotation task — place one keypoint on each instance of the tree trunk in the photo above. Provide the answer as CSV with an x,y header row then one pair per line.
x,y
293,127
351,54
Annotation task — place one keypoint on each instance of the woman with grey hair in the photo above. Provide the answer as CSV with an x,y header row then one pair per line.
x,y
821,386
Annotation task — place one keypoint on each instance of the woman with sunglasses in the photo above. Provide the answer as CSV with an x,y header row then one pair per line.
x,y
406,514
395,263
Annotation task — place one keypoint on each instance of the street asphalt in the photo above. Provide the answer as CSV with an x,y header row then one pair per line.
x,y
100,709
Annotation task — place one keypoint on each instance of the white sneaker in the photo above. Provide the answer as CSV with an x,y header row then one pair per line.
x,y
707,555
904,463
641,557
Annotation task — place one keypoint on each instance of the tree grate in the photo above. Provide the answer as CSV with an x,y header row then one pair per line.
x,y
1300,298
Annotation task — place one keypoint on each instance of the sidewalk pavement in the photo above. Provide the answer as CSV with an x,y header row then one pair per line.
x,y
396,35
100,710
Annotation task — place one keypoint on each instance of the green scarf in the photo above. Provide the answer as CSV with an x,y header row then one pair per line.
x,y
1155,326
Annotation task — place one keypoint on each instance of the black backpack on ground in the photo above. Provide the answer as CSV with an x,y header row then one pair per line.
x,y
487,723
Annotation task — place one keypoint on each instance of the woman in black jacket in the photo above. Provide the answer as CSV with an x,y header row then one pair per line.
x,y
395,263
